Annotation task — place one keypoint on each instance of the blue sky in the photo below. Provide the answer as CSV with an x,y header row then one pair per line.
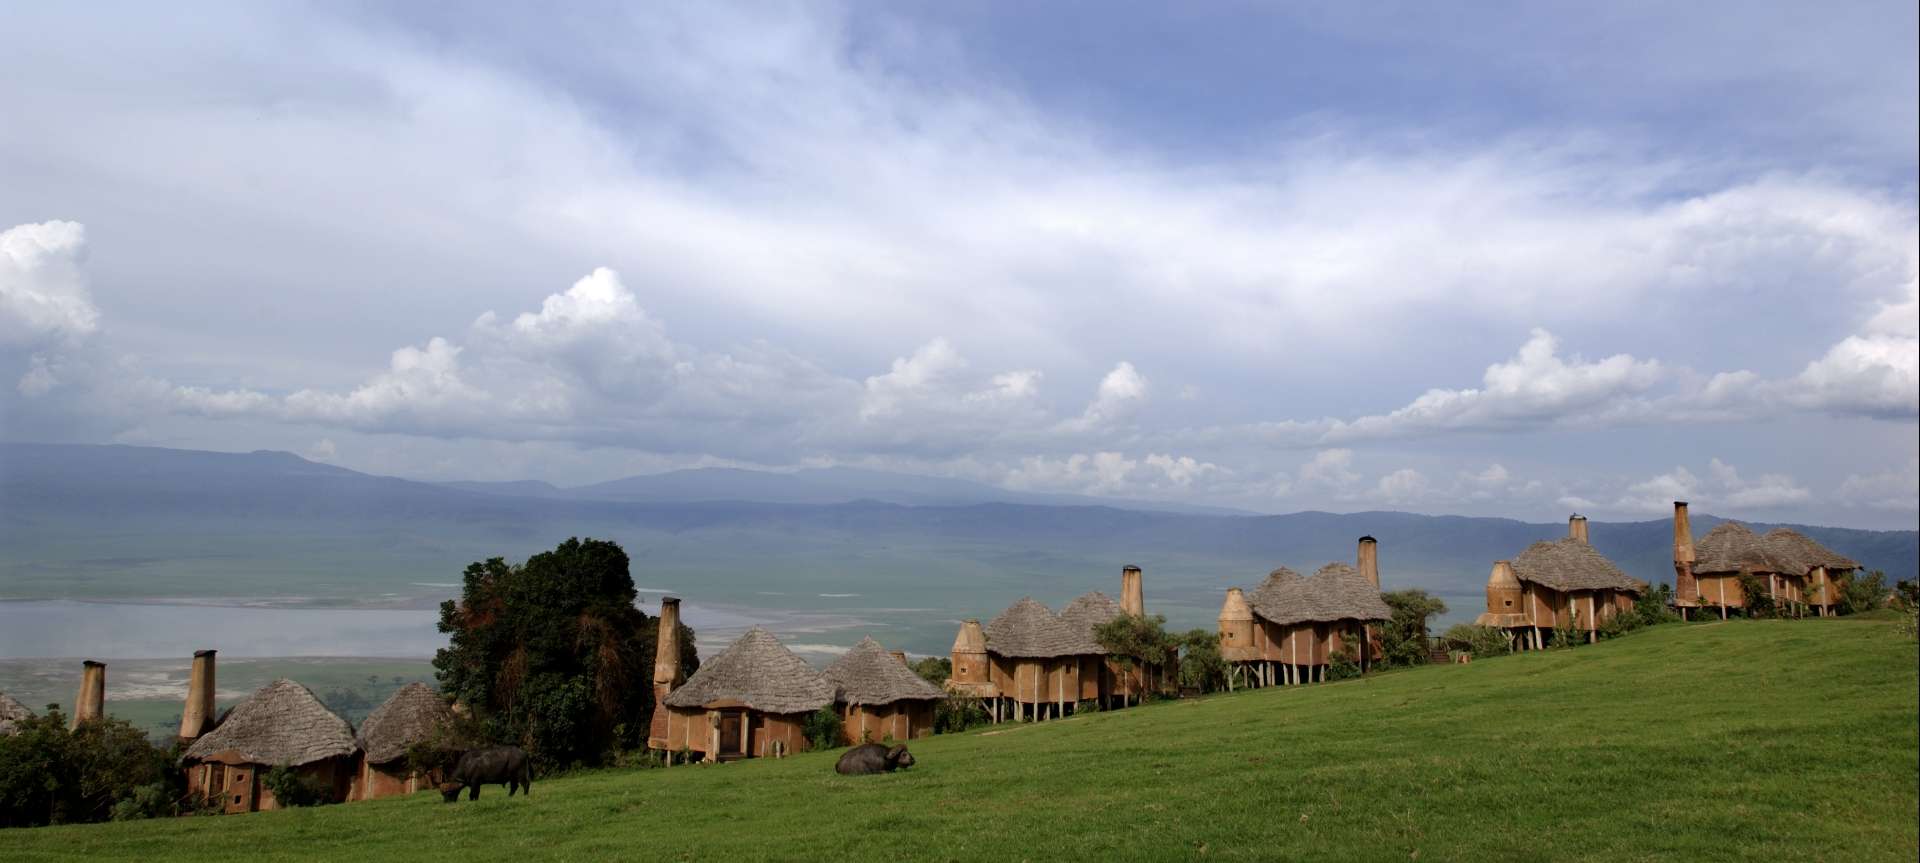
x,y
1495,259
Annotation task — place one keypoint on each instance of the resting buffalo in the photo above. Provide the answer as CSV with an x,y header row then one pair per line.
x,y
505,765
873,758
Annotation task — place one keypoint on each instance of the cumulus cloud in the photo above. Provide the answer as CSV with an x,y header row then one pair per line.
x,y
1120,394
1896,488
43,290
1112,473
1722,487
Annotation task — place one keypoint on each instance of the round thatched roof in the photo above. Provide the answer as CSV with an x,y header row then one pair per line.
x,y
1568,564
11,711
1804,553
971,638
1731,547
868,674
283,723
1235,606
758,672
409,716
1085,614
1028,630
1502,576
1336,592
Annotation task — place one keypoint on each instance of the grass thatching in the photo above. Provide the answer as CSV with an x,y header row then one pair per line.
x,y
759,672
283,723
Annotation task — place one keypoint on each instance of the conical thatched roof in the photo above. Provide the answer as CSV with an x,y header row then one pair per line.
x,y
1085,614
283,723
1028,630
1804,553
11,711
1336,592
758,672
868,674
1731,547
1568,564
409,716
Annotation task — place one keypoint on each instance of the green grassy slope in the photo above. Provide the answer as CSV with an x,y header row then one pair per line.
x,y
1745,740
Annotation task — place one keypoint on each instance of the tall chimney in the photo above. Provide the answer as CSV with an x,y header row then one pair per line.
x,y
1577,528
666,651
91,703
1370,559
970,663
902,656
1684,587
1133,600
197,715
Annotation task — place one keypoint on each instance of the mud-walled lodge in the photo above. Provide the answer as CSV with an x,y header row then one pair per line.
x,y
413,715
1029,663
1557,584
1289,628
1794,568
283,723
749,701
879,697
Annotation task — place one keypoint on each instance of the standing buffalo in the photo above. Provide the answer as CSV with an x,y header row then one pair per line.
x,y
505,765
873,758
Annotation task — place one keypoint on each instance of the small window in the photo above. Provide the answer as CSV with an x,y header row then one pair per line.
x,y
1509,603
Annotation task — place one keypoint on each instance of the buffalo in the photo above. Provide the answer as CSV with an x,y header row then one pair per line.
x,y
873,758
504,765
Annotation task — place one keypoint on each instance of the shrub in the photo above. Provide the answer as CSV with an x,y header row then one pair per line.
x,y
49,775
1404,637
1201,667
934,669
1863,592
153,800
1760,602
1481,641
290,787
1569,634
958,712
1133,640
1655,606
823,729
1341,665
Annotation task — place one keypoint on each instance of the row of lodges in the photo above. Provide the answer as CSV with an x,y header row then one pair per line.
x,y
283,723
752,699
1288,629
1557,585
1030,663
1796,569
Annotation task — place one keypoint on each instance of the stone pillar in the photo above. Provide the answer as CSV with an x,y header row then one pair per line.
x,y
1369,560
1133,599
1684,586
196,718
1577,528
91,702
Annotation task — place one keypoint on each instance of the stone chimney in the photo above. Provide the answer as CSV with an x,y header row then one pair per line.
x,y
1504,594
1370,560
1236,624
902,656
196,718
666,651
1133,600
1577,528
1684,587
91,702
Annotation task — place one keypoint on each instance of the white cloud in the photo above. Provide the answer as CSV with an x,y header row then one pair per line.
x,y
1402,486
1723,487
1896,488
1328,470
1121,393
43,290
910,377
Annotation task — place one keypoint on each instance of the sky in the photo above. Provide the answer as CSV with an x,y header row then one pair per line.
x,y
1488,259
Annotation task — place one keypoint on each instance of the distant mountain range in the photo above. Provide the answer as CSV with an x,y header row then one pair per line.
x,y
118,521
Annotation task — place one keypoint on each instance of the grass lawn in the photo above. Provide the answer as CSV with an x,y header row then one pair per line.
x,y
1744,740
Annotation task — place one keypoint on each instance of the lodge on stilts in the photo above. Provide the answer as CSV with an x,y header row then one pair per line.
x,y
880,698
1564,583
414,715
750,700
1797,571
281,724
1031,664
1289,628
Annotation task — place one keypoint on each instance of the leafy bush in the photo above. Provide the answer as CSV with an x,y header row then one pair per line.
x,y
1481,641
959,712
153,800
1760,602
1569,634
934,669
290,787
1201,667
1863,592
49,775
1134,640
1404,637
823,729
1655,606
1342,665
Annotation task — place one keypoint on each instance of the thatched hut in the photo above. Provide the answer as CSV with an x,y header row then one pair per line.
x,y
282,724
1031,663
11,712
1559,583
1035,659
751,700
1288,628
880,697
413,715
1796,569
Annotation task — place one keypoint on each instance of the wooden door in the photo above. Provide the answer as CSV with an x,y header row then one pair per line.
x,y
729,732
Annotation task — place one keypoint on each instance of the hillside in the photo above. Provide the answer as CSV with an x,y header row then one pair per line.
x,y
1747,740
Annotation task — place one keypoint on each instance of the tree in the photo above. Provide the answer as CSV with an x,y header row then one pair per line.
x,y
1404,637
49,775
1135,640
1201,667
1863,591
934,669
552,655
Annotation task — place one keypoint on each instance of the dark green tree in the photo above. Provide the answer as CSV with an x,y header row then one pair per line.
x,y
1404,637
552,654
1132,640
1201,667
934,669
49,775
